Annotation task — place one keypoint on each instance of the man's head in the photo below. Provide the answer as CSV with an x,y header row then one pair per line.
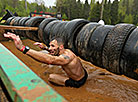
x,y
56,46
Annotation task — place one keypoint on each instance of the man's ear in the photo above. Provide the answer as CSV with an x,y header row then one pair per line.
x,y
61,47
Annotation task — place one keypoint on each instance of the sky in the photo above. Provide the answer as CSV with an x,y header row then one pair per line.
x,y
52,2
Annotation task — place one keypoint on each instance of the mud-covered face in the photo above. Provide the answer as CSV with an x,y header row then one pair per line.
x,y
54,48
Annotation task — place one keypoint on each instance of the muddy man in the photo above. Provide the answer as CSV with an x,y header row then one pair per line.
x,y
58,55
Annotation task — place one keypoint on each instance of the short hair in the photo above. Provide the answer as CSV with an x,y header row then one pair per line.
x,y
59,40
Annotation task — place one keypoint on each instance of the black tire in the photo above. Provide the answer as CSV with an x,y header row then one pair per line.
x,y
60,32
61,29
22,23
23,20
55,30
16,23
114,45
129,56
9,20
14,20
82,39
71,31
42,26
33,22
96,42
47,31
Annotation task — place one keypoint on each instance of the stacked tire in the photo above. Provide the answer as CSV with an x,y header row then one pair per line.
x,y
33,22
47,31
22,23
129,56
115,51
67,30
42,27
17,21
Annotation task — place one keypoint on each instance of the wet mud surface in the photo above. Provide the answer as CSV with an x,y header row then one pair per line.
x,y
101,85
2,95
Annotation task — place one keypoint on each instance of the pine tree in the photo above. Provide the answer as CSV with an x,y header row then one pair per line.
x,y
114,12
86,9
125,8
91,9
107,12
134,12
95,12
73,5
79,9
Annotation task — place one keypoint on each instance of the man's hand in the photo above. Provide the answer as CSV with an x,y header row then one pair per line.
x,y
41,45
17,40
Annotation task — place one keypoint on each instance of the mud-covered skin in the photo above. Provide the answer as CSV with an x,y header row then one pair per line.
x,y
101,86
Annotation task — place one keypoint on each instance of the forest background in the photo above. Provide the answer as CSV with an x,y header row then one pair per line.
x,y
118,11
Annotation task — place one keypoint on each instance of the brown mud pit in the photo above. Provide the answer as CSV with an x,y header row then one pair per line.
x,y
101,85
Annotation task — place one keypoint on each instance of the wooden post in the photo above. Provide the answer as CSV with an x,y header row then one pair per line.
x,y
7,27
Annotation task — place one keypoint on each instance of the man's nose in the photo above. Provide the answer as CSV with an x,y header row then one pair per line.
x,y
49,48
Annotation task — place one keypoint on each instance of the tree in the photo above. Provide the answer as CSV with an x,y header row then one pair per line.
x,y
128,19
73,9
91,9
64,16
134,12
18,6
79,9
86,10
107,12
95,12
125,8
114,12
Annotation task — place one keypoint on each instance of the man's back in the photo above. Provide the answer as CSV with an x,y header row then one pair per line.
x,y
74,68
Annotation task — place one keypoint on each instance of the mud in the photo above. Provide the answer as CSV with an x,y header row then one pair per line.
x,y
101,85
2,95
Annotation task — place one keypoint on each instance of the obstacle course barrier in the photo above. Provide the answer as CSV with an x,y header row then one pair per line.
x,y
106,46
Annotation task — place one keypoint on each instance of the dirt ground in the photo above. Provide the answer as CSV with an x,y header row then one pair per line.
x,y
101,85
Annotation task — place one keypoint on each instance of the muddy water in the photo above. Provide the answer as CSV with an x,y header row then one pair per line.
x,y
2,95
101,85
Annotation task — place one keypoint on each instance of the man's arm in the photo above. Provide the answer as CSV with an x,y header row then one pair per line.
x,y
42,57
41,45
49,59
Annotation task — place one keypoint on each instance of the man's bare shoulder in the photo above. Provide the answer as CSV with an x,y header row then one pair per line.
x,y
68,50
68,54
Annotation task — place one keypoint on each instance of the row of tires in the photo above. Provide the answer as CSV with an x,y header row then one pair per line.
x,y
112,47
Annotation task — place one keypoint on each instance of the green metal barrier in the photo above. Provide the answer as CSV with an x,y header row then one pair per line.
x,y
22,84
